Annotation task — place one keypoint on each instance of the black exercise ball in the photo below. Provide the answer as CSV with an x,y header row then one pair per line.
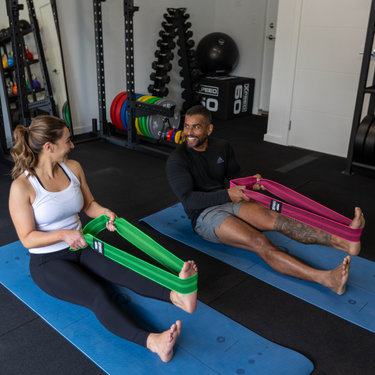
x,y
217,54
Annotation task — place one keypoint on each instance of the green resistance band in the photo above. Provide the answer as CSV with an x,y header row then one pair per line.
x,y
139,239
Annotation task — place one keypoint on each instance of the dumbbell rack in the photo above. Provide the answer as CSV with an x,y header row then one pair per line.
x,y
134,108
175,25
361,150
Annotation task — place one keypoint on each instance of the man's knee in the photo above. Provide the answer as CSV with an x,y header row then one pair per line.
x,y
260,243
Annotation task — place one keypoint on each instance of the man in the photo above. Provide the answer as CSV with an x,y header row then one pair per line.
x,y
197,172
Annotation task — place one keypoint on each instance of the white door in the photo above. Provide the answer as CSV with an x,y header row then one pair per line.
x,y
268,53
327,74
52,51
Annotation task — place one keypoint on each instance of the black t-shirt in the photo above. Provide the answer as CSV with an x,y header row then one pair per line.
x,y
199,179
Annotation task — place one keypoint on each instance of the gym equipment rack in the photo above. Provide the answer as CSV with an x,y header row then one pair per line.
x,y
47,105
21,63
3,146
134,107
175,26
361,150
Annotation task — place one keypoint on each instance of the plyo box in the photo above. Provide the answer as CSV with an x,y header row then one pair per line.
x,y
227,97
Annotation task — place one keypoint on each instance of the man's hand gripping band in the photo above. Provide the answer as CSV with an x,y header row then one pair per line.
x,y
301,208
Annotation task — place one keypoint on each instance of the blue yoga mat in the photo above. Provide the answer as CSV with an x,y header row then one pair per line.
x,y
210,343
357,305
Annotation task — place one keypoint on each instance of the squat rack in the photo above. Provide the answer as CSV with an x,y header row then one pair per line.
x,y
21,64
48,104
134,108
361,152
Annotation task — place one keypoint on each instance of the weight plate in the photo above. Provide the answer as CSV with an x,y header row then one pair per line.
x,y
369,148
116,102
143,119
123,115
157,123
148,122
156,126
173,138
177,137
113,106
67,114
169,135
118,110
175,120
153,100
137,96
63,112
360,137
137,120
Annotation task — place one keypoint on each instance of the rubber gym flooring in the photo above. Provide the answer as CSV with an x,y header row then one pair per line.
x,y
134,185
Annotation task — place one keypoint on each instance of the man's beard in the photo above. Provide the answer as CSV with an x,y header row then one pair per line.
x,y
200,141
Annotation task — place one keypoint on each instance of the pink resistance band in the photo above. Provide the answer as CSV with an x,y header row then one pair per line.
x,y
300,208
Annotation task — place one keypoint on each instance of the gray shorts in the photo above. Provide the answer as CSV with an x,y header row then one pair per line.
x,y
212,218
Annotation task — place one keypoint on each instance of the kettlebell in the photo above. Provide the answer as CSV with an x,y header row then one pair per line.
x,y
5,60
28,53
36,83
10,61
10,87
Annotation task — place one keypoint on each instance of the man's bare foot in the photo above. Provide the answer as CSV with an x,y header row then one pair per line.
x,y
187,302
162,343
352,248
337,278
358,222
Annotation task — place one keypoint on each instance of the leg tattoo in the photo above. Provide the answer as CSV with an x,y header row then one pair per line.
x,y
301,232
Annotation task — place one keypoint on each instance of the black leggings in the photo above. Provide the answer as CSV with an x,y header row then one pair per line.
x,y
67,275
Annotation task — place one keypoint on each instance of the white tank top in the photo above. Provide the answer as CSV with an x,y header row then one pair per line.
x,y
56,210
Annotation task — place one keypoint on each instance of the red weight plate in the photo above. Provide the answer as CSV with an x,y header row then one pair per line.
x,y
169,135
113,106
118,110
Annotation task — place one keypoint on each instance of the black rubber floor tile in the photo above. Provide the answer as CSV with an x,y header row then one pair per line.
x,y
36,348
13,312
335,346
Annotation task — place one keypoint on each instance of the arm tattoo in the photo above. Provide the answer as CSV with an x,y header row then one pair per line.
x,y
301,232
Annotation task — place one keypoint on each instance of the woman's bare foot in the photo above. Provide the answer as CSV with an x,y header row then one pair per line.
x,y
187,302
162,343
337,278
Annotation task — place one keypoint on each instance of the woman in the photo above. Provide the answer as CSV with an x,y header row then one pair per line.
x,y
46,196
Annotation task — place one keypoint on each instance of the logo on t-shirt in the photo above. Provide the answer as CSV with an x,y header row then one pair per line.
x,y
220,160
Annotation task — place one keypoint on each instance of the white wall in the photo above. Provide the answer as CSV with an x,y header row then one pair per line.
x,y
317,67
244,21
